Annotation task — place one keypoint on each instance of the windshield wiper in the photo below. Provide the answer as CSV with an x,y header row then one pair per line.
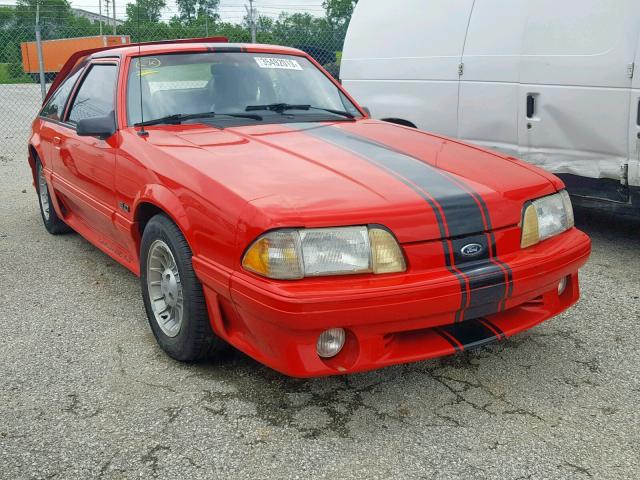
x,y
178,118
282,107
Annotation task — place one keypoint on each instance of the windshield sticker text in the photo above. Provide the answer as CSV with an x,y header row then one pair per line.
x,y
283,63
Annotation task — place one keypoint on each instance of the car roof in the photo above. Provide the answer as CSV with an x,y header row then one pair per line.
x,y
135,50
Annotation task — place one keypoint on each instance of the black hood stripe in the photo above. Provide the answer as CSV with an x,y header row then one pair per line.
x,y
469,334
492,240
460,214
497,330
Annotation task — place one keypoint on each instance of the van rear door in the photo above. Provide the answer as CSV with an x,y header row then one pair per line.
x,y
633,168
575,87
402,60
489,105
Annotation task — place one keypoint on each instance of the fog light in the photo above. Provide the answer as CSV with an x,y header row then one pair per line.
x,y
562,285
330,342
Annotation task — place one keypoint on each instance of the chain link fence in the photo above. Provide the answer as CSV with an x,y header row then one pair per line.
x,y
20,88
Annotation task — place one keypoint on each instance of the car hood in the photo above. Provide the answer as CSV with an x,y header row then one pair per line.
x,y
419,185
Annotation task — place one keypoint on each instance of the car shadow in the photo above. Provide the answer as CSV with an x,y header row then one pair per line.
x,y
601,224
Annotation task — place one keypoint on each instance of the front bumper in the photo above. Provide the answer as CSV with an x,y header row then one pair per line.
x,y
389,319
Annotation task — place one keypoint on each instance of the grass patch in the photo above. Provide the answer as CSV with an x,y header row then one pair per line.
x,y
9,75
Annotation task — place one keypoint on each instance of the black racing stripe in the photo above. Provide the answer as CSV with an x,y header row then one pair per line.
x,y
226,49
494,249
470,333
461,212
448,338
501,334
486,282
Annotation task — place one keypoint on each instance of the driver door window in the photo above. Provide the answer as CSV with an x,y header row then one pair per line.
x,y
96,95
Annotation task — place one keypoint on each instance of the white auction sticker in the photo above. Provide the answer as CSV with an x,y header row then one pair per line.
x,y
284,63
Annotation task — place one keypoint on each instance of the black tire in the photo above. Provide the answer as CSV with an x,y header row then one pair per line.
x,y
52,222
195,339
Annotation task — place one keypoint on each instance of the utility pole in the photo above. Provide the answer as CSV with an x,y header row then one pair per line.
x,y
114,17
100,14
43,86
252,20
107,15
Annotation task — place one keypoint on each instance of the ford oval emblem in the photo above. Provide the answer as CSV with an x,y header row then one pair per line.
x,y
471,250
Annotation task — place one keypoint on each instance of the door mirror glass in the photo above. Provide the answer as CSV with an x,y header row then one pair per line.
x,y
101,127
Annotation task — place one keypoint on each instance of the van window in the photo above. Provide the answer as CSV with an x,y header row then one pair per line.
x,y
54,109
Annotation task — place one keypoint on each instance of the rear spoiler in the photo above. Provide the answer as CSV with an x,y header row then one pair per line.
x,y
73,59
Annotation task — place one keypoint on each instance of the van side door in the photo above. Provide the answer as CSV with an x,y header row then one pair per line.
x,y
488,110
575,85
633,168
403,61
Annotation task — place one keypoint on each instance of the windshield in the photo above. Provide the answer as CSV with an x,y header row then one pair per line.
x,y
229,83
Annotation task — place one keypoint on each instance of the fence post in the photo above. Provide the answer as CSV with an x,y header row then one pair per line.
x,y
114,17
43,81
252,20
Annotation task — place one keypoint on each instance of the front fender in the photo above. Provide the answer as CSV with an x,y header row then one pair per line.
x,y
167,201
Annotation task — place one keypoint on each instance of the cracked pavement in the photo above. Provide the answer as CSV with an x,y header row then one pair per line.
x,y
86,393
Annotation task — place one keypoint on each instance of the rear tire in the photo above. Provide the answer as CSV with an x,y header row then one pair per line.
x,y
173,296
52,222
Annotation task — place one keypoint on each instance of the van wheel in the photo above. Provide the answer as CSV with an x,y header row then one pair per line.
x,y
173,297
52,222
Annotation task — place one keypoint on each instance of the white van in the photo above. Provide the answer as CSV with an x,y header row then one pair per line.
x,y
555,82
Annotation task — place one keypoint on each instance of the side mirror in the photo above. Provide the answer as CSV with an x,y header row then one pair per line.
x,y
101,127
367,111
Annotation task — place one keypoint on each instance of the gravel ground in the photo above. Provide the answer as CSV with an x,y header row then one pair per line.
x,y
85,392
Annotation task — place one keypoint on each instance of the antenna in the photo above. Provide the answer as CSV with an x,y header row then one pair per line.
x,y
142,132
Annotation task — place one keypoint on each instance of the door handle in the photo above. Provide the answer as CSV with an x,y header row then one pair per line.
x,y
57,140
531,105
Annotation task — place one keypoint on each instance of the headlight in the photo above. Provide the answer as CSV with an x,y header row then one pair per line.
x,y
546,217
289,254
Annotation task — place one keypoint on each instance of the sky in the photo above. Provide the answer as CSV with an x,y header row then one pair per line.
x,y
230,10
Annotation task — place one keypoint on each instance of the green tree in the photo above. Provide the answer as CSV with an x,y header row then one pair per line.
x,y
52,12
297,28
190,10
7,18
150,10
338,12
187,10
337,15
208,9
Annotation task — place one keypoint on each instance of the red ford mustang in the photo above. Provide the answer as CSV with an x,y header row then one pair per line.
x,y
260,205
